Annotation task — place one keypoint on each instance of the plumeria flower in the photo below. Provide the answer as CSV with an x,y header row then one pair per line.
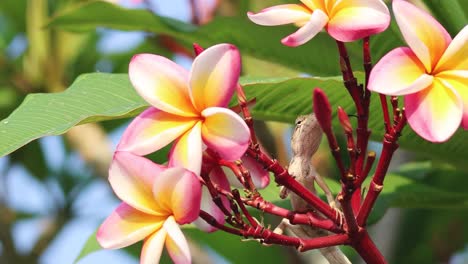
x,y
432,74
189,107
155,201
344,20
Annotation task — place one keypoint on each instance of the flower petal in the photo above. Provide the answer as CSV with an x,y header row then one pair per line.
x,y
162,83
153,247
434,113
176,244
260,176
210,207
399,72
456,55
214,76
131,178
152,130
187,151
356,19
126,226
459,83
426,37
317,22
178,190
281,15
225,132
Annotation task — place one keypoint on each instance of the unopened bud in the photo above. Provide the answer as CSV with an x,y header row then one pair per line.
x,y
197,49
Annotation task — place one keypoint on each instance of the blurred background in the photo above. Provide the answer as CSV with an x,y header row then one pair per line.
x,y
54,192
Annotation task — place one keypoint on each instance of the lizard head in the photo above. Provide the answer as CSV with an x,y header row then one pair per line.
x,y
307,136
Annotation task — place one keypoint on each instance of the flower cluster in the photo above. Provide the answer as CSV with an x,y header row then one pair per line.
x,y
190,110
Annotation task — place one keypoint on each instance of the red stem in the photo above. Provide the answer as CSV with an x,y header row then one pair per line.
x,y
242,173
282,177
243,103
293,217
212,221
383,102
267,236
376,186
244,210
367,60
366,248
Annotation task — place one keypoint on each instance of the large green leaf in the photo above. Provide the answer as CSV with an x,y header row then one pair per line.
x,y
92,98
98,97
318,57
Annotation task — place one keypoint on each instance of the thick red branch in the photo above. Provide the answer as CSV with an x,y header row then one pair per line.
x,y
283,178
293,217
389,147
367,249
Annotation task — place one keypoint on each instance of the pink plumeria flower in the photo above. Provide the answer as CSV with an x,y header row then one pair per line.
x,y
432,73
344,20
155,201
189,107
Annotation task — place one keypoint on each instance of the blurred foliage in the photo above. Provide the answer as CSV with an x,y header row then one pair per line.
x,y
47,44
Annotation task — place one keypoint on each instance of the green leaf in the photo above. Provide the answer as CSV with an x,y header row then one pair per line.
x,y
449,13
403,192
318,57
89,247
92,14
91,98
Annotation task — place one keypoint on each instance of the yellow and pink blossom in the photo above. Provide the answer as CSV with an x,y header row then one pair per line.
x,y
432,74
156,200
189,107
344,20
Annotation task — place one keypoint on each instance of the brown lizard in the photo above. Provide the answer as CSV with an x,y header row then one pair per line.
x,y
304,143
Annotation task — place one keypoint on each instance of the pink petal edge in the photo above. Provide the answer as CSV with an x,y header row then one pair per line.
x,y
280,15
434,113
317,22
131,177
358,19
126,226
178,191
399,72
225,132
153,130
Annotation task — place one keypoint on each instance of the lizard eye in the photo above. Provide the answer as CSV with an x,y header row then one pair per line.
x,y
298,122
